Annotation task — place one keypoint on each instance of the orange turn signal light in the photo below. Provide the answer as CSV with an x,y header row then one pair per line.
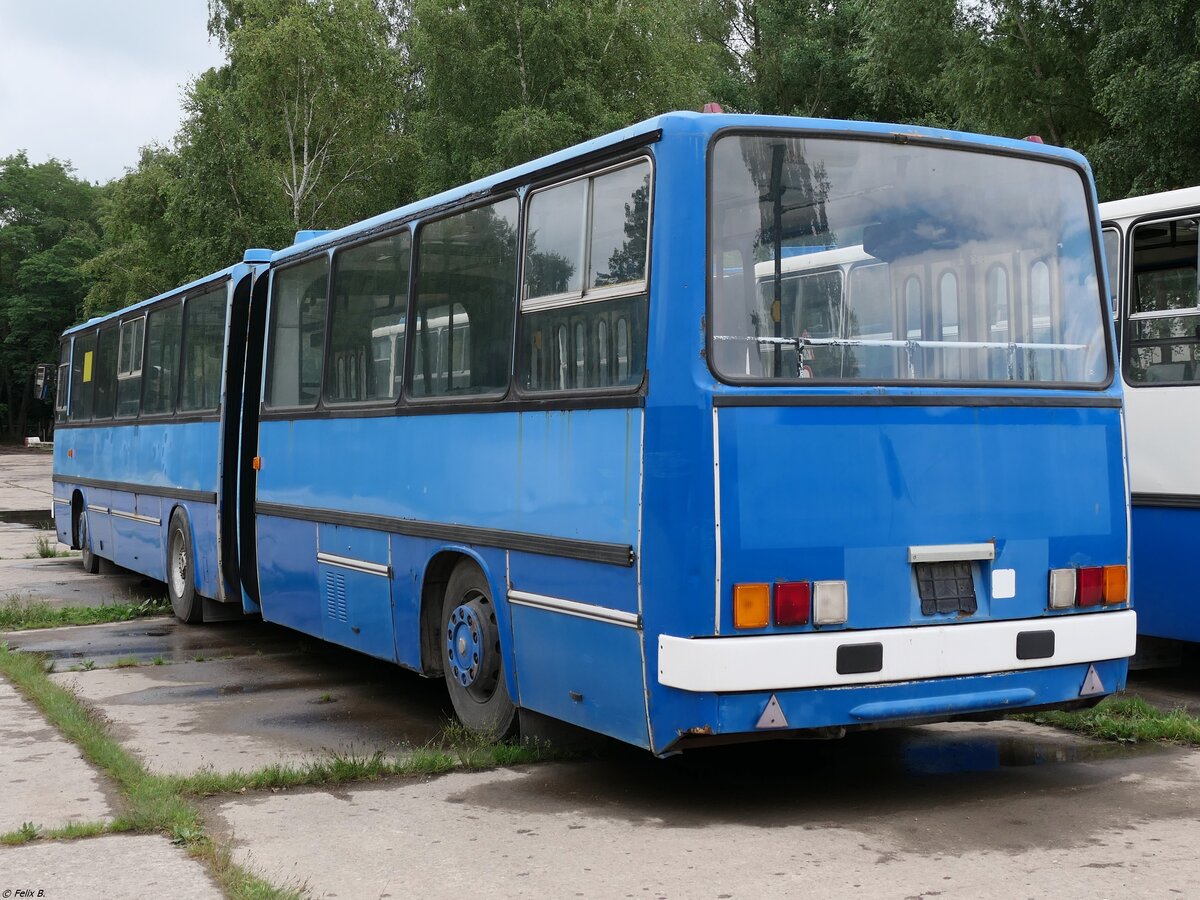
x,y
751,605
1116,584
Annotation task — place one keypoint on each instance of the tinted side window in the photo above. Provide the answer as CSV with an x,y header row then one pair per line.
x,y
366,332
204,342
162,360
83,377
129,366
64,381
106,374
298,333
466,281
1164,304
585,307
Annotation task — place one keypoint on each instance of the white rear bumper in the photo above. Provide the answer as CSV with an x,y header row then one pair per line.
x,y
782,662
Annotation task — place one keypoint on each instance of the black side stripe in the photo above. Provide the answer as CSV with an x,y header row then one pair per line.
x,y
148,490
572,548
1170,501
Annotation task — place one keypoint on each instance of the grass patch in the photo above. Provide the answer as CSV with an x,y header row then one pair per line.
x,y
153,805
126,662
1128,719
21,614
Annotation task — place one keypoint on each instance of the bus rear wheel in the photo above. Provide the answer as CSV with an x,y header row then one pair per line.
x,y
471,657
91,562
181,582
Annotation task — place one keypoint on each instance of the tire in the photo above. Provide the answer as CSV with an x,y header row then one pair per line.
x,y
471,659
91,562
181,580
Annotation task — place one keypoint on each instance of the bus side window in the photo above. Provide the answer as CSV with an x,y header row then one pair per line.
x,y
204,341
466,276
1163,309
105,402
64,381
83,377
1112,269
366,331
161,382
129,367
297,336
948,312
584,303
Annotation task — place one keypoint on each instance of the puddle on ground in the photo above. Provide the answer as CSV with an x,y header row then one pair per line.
x,y
37,517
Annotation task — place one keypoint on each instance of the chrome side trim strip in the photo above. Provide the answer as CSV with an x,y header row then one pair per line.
x,y
62,501
951,552
357,565
149,520
97,509
575,608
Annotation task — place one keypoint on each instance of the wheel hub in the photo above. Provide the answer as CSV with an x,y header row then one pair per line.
x,y
465,644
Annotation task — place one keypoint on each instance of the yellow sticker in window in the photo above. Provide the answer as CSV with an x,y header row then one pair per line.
x,y
87,366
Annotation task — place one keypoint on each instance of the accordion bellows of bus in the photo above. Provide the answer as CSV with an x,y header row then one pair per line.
x,y
713,428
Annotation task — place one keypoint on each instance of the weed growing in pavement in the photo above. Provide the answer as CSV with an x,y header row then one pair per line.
x,y
199,657
126,662
87,665
158,661
30,832
325,698
48,549
153,805
19,613
1129,719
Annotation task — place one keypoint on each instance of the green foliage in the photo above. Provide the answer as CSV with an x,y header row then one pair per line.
x,y
503,82
48,229
1146,68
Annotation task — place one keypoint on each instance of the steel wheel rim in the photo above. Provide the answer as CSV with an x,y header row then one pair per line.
x,y
178,564
472,647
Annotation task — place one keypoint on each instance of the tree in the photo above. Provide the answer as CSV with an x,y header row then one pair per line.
x,y
47,230
504,81
1146,68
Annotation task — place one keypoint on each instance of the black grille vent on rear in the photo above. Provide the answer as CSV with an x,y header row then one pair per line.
x,y
946,587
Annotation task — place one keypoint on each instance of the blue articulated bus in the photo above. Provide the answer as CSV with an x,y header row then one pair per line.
x,y
148,412
1151,250
714,428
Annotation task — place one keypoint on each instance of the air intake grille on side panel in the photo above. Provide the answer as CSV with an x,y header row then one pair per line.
x,y
335,596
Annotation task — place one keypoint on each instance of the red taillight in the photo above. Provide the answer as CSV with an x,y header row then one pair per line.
x,y
1089,586
793,602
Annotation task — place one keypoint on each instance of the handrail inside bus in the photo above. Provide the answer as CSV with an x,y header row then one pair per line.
x,y
801,342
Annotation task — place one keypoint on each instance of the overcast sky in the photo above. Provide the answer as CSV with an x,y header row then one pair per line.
x,y
92,81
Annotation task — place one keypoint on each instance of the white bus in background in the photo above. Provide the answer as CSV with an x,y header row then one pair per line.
x,y
1150,246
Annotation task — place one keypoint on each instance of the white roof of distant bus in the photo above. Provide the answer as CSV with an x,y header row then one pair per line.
x,y
838,256
1166,201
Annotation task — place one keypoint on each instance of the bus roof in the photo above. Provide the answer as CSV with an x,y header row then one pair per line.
x,y
681,124
815,259
253,257
1164,201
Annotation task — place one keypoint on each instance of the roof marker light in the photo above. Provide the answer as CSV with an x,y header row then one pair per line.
x,y
712,108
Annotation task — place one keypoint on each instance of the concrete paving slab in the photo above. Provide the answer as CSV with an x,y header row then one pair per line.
x,y
249,712
114,867
874,815
45,778
25,479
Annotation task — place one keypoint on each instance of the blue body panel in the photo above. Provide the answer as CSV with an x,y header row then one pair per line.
x,y
1163,589
157,454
